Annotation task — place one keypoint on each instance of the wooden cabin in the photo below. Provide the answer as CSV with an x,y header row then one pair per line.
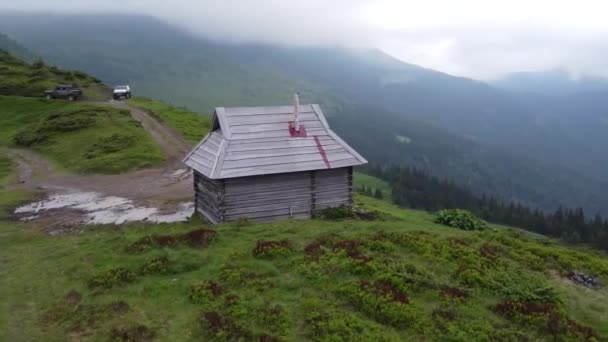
x,y
270,163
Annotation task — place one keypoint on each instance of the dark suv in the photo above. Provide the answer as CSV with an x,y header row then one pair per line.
x,y
64,91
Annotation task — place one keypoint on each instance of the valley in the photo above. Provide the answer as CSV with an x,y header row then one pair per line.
x,y
541,150
98,241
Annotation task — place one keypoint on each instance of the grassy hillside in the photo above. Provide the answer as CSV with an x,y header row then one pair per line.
x,y
396,278
7,170
80,137
373,183
190,125
8,194
20,78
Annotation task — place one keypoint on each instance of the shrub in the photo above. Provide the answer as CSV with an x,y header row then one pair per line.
x,y
271,249
158,265
325,322
224,328
111,278
134,333
113,143
337,213
204,291
55,70
196,238
235,274
79,74
274,318
460,219
58,122
38,64
383,302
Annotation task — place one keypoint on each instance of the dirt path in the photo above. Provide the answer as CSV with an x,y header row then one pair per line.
x,y
138,195
30,165
173,144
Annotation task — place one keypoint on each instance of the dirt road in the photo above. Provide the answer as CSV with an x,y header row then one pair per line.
x,y
156,190
172,143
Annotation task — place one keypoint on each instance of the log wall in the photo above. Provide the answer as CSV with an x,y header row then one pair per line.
x,y
208,197
273,197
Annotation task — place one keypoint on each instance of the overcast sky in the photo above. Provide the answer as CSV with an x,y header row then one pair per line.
x,y
476,38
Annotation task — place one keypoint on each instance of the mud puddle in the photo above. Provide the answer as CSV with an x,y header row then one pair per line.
x,y
95,208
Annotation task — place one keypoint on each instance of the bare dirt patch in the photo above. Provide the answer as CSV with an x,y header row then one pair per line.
x,y
93,208
453,293
444,315
136,333
198,238
155,195
351,247
385,289
270,248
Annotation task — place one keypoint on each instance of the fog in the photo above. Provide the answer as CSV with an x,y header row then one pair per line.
x,y
479,39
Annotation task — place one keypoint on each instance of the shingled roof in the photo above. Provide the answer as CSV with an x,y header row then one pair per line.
x,y
249,141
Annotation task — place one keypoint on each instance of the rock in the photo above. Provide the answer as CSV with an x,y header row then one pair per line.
x,y
584,279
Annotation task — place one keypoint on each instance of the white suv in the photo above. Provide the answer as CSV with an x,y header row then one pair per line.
x,y
121,91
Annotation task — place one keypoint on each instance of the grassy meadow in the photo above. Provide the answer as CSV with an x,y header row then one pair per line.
x,y
399,277
373,183
7,170
190,125
83,138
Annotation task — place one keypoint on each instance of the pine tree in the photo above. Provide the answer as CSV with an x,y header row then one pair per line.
x,y
378,194
416,188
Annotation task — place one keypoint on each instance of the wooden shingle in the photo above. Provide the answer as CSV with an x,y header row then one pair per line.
x,y
250,141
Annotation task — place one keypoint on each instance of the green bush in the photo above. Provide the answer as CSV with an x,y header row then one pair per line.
x,y
55,123
110,144
69,122
460,219
111,278
337,213
271,249
382,302
326,322
204,291
158,265
81,75
39,64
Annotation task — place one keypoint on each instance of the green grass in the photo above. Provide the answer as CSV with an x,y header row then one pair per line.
x,y
79,137
190,125
373,183
291,293
7,170
20,78
9,196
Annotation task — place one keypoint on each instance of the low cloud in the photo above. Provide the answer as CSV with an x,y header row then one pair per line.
x,y
479,39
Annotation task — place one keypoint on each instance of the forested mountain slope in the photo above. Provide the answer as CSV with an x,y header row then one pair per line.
x,y
11,46
537,149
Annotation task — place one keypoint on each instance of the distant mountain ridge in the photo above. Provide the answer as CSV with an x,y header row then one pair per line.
x,y
542,150
551,82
